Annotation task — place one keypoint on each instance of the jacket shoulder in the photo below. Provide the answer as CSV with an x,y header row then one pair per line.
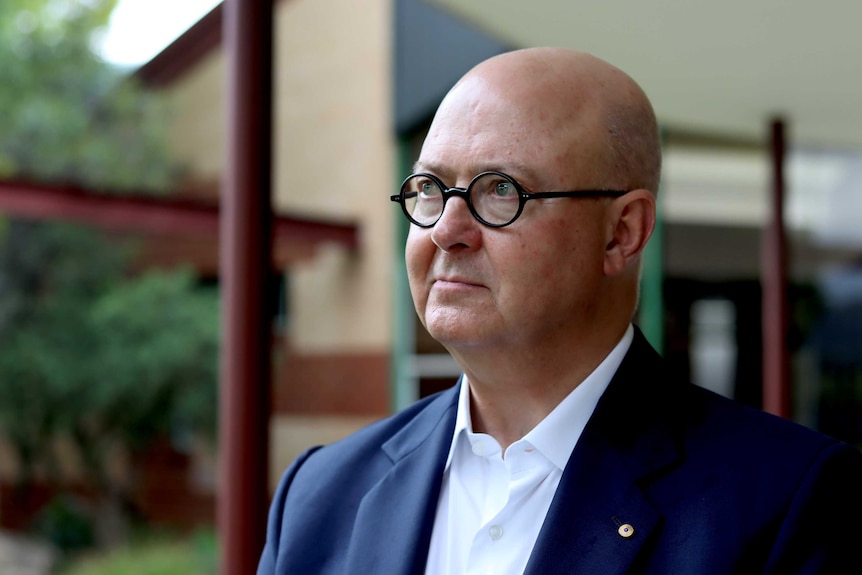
x,y
321,492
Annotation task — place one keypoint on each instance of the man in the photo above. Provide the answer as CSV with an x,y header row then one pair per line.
x,y
566,447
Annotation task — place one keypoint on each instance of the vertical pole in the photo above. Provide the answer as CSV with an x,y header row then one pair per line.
x,y
776,365
245,256
405,387
651,313
651,304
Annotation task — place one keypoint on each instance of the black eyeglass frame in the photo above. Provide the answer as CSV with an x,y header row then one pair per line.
x,y
523,197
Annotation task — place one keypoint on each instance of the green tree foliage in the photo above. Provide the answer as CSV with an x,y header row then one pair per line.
x,y
68,117
89,351
90,354
50,276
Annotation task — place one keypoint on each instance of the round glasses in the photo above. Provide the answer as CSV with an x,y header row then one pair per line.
x,y
494,198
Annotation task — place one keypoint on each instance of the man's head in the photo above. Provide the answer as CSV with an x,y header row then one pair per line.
x,y
554,120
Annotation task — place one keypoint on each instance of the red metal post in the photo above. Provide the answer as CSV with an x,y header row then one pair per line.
x,y
245,265
776,363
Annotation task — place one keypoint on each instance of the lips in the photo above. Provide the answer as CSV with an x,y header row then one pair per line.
x,y
453,273
457,280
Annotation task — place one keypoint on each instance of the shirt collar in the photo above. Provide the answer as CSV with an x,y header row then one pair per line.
x,y
463,423
558,433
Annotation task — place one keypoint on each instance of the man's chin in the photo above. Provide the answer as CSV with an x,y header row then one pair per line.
x,y
455,337
459,324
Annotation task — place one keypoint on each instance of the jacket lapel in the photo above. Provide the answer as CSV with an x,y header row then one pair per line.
x,y
600,517
393,526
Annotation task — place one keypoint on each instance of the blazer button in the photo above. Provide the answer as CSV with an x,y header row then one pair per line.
x,y
626,530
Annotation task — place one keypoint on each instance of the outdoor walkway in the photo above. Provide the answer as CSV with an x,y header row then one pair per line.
x,y
23,556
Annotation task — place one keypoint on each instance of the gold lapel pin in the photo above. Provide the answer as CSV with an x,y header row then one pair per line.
x,y
624,529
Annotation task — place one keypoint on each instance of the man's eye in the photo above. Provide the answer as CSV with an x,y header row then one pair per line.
x,y
503,189
428,189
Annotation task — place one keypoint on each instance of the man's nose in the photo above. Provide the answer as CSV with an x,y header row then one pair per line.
x,y
457,228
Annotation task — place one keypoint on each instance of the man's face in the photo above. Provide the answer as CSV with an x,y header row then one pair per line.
x,y
535,281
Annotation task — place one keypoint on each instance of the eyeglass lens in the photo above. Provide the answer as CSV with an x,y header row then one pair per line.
x,y
494,199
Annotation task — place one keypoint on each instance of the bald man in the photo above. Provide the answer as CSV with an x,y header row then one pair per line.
x,y
566,446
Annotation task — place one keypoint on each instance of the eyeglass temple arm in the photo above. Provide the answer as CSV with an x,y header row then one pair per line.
x,y
578,194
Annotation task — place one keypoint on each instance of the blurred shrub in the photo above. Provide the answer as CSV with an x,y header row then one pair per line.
x,y
160,556
66,524
91,354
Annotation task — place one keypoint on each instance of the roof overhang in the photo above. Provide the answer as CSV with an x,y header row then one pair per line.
x,y
294,237
184,52
710,67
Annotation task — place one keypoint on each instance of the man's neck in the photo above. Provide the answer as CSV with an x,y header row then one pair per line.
x,y
512,391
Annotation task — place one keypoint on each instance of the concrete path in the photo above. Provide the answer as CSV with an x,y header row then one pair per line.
x,y
20,555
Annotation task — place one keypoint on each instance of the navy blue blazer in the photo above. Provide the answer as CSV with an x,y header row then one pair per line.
x,y
707,485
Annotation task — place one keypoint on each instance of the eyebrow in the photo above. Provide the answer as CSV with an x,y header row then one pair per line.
x,y
518,170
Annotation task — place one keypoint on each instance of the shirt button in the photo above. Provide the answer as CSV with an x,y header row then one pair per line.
x,y
495,532
479,448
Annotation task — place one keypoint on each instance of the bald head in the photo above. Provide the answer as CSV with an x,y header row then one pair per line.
x,y
576,99
564,274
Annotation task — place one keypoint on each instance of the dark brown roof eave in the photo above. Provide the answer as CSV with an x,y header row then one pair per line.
x,y
184,52
155,215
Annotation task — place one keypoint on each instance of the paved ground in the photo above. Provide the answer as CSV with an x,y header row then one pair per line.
x,y
23,556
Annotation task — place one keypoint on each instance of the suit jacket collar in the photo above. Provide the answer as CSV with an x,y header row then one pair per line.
x,y
628,441
395,519
600,516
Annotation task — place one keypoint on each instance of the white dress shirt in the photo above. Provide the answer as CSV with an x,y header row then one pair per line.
x,y
492,504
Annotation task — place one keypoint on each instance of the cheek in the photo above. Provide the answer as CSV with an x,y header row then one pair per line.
x,y
418,254
563,256
556,247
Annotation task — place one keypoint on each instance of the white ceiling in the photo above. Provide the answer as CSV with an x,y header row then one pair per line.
x,y
723,67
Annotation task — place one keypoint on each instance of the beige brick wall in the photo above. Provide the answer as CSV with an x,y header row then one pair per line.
x,y
334,158
196,107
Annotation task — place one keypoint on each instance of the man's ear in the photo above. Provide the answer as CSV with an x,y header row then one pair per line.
x,y
631,220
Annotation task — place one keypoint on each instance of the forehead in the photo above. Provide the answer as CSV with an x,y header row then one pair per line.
x,y
487,126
